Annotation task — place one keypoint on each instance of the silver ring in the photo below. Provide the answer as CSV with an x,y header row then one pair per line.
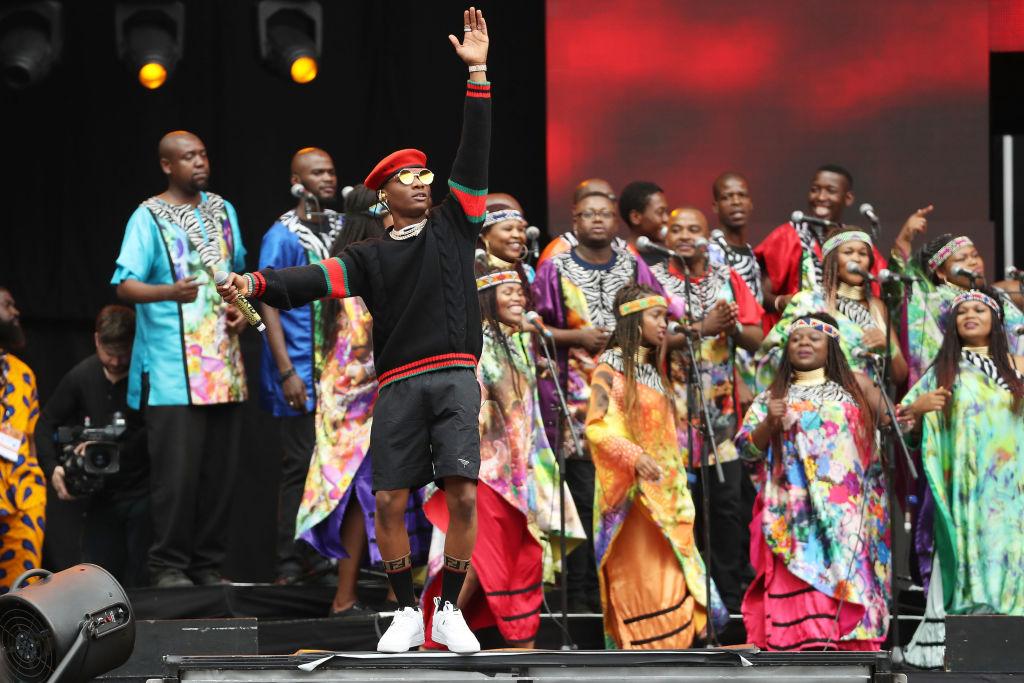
x,y
467,28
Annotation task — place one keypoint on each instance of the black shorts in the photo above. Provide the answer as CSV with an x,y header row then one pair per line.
x,y
426,428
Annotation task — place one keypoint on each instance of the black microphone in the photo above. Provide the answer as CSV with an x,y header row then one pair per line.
x,y
969,274
1013,274
853,269
870,357
868,212
676,327
533,235
533,319
801,217
644,243
885,275
242,304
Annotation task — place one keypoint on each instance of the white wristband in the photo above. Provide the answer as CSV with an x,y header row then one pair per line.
x,y
477,67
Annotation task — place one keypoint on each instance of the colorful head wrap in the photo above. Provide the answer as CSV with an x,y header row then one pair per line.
x,y
637,305
496,278
814,324
503,215
947,250
851,236
975,295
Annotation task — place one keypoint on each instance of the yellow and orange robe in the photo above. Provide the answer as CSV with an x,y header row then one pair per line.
x,y
22,487
651,575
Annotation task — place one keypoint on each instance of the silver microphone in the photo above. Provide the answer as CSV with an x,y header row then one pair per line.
x,y
644,243
801,217
853,269
1012,273
481,258
885,275
870,357
1017,330
533,319
969,274
676,327
868,212
299,191
533,236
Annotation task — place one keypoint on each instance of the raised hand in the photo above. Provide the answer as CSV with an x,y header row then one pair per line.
x,y
473,49
915,224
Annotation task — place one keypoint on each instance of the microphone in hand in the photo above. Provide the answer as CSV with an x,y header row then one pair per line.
x,y
240,302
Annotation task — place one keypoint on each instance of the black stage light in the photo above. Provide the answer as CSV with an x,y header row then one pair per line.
x,y
150,37
71,626
30,42
291,37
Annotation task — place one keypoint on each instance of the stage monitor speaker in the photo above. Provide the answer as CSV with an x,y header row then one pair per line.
x,y
66,628
984,643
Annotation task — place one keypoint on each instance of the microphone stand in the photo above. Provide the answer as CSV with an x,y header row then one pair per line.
x,y
577,446
878,377
696,402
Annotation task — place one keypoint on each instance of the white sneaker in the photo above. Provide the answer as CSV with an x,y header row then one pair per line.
x,y
405,632
450,629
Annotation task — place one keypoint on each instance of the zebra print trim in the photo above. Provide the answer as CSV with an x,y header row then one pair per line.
x,y
745,264
317,243
808,238
646,373
986,365
599,285
857,311
819,393
212,213
705,291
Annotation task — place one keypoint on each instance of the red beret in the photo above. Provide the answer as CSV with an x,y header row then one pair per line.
x,y
392,164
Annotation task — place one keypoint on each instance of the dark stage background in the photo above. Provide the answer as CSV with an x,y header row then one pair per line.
x,y
677,92
80,154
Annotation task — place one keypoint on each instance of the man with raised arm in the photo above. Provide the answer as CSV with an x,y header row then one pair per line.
x,y
419,285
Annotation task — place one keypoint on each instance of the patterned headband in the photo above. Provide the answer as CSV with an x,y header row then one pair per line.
x,y
975,295
851,236
947,250
503,215
637,305
496,278
814,324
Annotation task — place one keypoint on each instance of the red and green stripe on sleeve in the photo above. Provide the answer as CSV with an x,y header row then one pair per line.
x,y
336,275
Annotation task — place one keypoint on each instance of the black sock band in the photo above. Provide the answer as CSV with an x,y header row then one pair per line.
x,y
452,578
400,577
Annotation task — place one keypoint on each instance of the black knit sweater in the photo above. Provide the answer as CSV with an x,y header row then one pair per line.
x,y
421,291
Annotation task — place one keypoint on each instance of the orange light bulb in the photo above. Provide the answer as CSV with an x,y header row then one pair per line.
x,y
152,75
304,69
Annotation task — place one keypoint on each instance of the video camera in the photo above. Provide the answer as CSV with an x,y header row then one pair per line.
x,y
85,475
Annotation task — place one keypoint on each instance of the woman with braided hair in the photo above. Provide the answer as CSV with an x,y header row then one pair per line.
x,y
819,540
862,319
968,410
644,512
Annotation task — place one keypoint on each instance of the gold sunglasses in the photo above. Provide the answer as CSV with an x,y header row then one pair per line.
x,y
406,176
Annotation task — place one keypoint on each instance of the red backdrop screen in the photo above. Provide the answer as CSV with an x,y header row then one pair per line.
x,y
677,91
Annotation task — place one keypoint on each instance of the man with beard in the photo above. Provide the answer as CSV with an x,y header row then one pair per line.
x,y
117,531
186,367
22,488
288,365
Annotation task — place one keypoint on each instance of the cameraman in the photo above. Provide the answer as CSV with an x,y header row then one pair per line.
x,y
118,529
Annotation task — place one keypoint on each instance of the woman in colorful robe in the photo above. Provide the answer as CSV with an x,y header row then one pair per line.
x,y
819,540
861,318
652,578
969,411
517,547
336,512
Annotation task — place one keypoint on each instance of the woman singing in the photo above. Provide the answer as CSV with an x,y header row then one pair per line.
x,y
969,411
652,578
819,540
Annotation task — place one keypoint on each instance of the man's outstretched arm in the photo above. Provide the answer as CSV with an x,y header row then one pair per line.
x,y
468,181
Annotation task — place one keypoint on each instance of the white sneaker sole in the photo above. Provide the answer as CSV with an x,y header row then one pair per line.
x,y
395,651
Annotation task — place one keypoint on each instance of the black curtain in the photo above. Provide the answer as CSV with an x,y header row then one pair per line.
x,y
80,154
